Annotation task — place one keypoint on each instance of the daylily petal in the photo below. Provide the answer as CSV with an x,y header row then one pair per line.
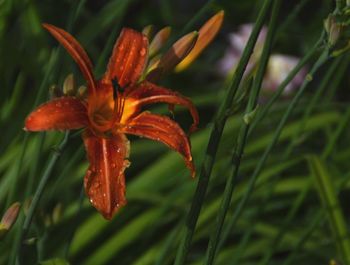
x,y
104,181
76,51
163,129
63,113
128,58
206,34
148,93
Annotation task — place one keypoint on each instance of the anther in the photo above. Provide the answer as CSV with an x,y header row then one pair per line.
x,y
116,87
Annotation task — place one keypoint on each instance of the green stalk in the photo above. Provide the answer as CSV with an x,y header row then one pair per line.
x,y
307,58
313,103
337,79
38,193
242,138
74,228
321,60
34,169
335,136
214,140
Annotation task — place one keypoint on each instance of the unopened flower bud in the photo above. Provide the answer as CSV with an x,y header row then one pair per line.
x,y
9,218
82,92
159,40
69,85
206,34
148,31
333,29
173,56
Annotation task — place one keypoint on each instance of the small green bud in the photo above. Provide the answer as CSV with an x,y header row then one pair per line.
x,y
333,29
82,92
249,117
69,85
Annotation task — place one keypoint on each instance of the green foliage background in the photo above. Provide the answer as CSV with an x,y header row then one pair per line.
x,y
298,211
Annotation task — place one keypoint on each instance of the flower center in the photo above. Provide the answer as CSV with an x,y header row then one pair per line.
x,y
109,107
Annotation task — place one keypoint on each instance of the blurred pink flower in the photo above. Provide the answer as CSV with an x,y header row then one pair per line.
x,y
278,67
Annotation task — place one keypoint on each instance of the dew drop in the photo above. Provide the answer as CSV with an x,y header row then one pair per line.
x,y
143,52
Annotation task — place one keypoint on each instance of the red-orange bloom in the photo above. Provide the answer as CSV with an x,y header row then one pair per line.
x,y
111,110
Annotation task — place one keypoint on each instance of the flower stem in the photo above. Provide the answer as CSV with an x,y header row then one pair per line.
x,y
238,210
39,192
261,115
313,103
242,137
214,140
74,228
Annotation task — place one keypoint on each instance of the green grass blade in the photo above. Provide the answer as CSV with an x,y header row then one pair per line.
x,y
329,198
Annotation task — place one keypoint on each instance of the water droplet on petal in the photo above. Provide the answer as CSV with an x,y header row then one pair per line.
x,y
143,52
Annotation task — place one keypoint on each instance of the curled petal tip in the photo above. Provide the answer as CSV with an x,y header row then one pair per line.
x,y
191,167
193,128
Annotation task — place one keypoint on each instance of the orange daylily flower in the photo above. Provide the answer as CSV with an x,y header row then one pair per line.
x,y
111,110
112,106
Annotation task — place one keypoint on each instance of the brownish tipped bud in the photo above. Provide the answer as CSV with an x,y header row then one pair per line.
x,y
9,218
173,56
206,34
148,31
159,40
